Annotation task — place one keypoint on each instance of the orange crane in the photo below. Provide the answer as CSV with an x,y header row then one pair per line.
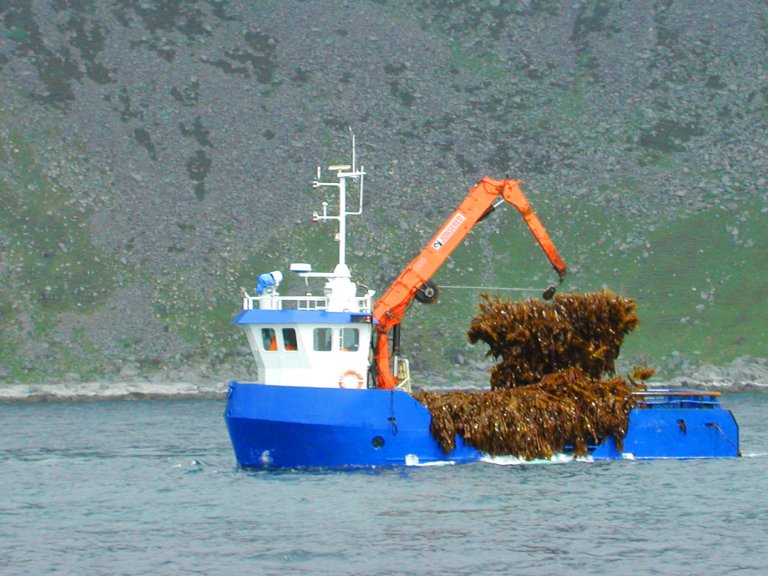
x,y
415,280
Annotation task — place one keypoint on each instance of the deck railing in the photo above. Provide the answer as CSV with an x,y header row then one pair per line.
x,y
272,302
667,398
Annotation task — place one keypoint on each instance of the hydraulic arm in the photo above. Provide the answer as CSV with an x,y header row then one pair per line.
x,y
414,280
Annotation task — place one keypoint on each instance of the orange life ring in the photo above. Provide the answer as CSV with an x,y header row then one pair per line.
x,y
359,384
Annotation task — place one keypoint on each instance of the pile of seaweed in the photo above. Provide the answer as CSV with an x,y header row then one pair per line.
x,y
554,387
533,338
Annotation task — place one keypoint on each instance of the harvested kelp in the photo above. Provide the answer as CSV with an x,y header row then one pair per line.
x,y
548,395
566,410
534,338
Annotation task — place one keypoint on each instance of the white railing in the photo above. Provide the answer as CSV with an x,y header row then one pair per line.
x,y
272,302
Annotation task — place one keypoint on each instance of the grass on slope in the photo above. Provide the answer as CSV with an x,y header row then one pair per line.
x,y
701,290
48,257
51,254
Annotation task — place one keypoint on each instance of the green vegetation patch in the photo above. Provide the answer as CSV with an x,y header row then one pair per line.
x,y
52,258
698,288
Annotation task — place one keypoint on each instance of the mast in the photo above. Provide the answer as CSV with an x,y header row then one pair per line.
x,y
344,172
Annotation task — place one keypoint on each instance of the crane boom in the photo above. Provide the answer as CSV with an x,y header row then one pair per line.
x,y
390,308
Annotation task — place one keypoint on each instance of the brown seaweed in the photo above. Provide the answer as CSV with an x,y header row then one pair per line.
x,y
533,338
548,391
565,411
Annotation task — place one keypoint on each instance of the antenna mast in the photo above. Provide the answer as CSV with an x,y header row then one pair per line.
x,y
344,172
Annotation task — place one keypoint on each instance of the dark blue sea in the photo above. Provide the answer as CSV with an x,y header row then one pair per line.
x,y
151,487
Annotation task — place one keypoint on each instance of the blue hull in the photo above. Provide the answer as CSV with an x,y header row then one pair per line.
x,y
677,424
289,426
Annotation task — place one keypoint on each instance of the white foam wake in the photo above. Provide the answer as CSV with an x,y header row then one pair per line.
x,y
515,461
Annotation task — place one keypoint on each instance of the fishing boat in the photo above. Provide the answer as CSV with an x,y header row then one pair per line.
x,y
334,390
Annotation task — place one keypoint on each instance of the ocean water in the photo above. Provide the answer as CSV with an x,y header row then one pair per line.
x,y
151,487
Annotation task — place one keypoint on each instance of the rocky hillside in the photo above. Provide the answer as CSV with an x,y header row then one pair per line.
x,y
155,156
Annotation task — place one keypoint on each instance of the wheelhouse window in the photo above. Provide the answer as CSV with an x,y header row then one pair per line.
x,y
289,339
322,339
268,340
349,339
